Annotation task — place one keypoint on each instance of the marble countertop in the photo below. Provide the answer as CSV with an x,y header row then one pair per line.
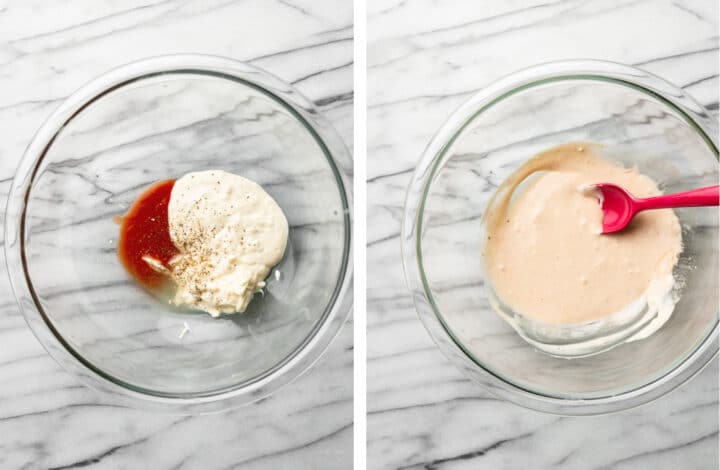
x,y
48,50
425,58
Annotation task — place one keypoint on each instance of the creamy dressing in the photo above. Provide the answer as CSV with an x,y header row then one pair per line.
x,y
544,253
230,234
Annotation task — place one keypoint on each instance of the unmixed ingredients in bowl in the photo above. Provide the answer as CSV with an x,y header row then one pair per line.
x,y
547,260
208,240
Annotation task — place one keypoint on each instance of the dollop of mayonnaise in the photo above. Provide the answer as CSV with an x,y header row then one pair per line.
x,y
230,234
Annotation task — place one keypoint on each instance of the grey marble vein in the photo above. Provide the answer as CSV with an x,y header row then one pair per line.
x,y
424,59
47,51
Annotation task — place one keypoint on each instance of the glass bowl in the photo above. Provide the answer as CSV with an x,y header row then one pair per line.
x,y
152,120
641,120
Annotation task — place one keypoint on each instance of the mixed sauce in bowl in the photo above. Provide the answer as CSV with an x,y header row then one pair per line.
x,y
548,262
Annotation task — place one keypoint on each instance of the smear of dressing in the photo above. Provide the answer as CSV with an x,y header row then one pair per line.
x,y
544,253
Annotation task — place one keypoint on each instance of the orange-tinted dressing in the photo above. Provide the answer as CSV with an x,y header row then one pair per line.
x,y
144,231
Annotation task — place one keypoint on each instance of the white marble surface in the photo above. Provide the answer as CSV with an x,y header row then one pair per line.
x,y
49,49
424,59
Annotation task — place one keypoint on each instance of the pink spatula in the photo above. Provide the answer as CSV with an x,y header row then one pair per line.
x,y
619,206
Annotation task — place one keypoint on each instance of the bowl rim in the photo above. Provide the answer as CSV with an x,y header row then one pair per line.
x,y
411,233
113,389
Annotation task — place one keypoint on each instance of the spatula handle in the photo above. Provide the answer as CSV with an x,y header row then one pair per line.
x,y
709,196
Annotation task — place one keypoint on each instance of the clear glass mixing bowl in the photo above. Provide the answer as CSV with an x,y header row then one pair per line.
x,y
642,120
157,119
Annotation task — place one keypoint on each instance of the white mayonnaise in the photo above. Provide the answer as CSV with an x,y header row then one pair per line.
x,y
230,234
